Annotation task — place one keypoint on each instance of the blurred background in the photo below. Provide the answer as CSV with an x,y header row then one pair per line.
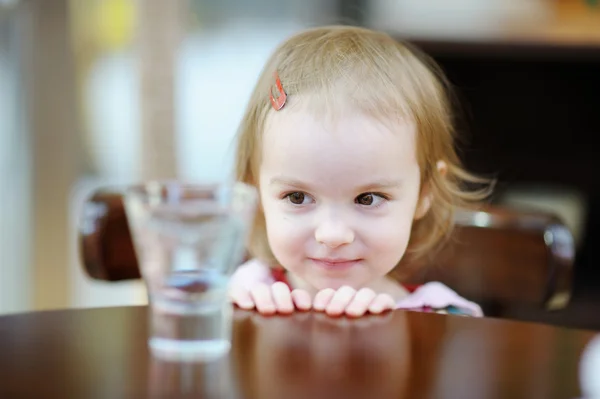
x,y
112,92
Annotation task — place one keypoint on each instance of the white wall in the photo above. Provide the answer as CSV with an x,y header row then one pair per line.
x,y
15,176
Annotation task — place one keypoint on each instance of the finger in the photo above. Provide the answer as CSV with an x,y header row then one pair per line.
x,y
382,303
322,299
261,295
360,303
340,301
301,299
241,297
282,297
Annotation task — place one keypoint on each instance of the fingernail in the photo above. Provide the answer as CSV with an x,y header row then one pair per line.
x,y
269,310
286,310
334,312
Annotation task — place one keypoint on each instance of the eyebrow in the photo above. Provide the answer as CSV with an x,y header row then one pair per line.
x,y
286,181
383,184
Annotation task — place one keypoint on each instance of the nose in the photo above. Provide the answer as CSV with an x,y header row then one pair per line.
x,y
333,233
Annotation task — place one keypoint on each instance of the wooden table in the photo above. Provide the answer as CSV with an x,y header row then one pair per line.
x,y
102,353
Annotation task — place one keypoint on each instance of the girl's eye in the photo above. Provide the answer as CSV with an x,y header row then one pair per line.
x,y
297,198
369,199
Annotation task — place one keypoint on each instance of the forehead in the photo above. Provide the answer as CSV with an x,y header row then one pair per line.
x,y
300,143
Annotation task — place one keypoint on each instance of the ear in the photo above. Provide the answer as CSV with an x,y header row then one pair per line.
x,y
426,197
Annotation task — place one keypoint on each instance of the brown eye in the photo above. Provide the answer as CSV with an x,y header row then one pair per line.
x,y
296,198
365,199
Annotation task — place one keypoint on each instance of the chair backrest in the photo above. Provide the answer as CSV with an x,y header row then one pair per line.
x,y
502,258
497,257
105,242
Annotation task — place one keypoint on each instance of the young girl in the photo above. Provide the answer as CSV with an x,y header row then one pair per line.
x,y
348,137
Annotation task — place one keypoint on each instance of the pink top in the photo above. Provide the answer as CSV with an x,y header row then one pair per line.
x,y
431,297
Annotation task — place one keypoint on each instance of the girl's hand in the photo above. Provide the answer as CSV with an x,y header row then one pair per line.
x,y
346,300
268,300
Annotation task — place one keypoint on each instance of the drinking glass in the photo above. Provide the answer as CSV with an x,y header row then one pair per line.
x,y
189,238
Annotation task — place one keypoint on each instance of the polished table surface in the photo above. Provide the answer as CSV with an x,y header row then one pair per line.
x,y
102,353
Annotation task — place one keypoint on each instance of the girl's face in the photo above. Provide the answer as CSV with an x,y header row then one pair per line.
x,y
339,198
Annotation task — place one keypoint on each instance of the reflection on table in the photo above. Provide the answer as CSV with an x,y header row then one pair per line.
x,y
103,353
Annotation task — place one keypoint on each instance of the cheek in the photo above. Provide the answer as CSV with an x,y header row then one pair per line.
x,y
286,233
391,236
389,240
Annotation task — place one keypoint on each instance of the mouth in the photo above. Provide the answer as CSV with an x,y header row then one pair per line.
x,y
335,264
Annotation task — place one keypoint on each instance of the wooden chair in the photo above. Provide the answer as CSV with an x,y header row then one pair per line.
x,y
497,257
505,259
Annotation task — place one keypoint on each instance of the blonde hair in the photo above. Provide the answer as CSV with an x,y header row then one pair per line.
x,y
370,71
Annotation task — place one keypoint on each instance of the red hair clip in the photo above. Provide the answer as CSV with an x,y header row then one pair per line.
x,y
278,102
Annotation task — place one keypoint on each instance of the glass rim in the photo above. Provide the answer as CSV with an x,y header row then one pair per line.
x,y
161,188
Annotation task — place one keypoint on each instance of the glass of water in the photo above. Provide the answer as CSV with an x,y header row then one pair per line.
x,y
189,238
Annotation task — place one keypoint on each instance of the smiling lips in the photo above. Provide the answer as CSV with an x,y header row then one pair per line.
x,y
335,264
